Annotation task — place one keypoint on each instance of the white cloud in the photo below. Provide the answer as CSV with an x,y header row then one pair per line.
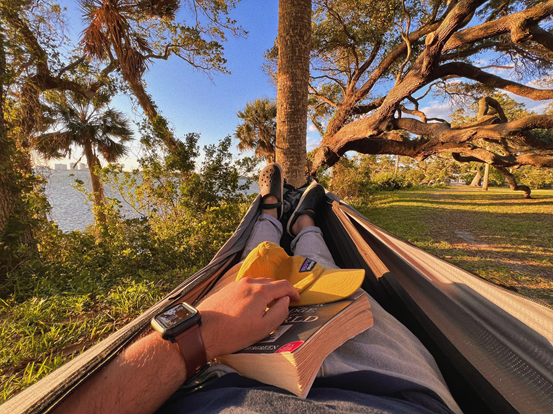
x,y
530,105
437,109
312,142
311,127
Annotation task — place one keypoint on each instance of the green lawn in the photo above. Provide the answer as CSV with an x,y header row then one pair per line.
x,y
41,334
497,234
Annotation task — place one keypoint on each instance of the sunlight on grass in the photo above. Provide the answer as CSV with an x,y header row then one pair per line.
x,y
39,335
497,235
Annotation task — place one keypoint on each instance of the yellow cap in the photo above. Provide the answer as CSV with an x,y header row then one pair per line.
x,y
315,284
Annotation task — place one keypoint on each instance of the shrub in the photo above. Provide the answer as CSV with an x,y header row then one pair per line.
x,y
534,177
389,181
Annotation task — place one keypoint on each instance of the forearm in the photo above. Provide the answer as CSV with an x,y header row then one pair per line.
x,y
139,380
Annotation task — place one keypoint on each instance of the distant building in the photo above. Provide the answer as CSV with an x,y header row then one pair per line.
x,y
60,166
77,166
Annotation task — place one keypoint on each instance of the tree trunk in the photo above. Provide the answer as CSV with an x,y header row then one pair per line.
x,y
512,182
6,196
486,177
294,37
14,225
96,184
477,179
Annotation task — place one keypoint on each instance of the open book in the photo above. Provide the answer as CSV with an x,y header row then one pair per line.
x,y
291,356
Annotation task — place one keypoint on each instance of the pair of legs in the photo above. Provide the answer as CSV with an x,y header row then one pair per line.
x,y
388,348
308,242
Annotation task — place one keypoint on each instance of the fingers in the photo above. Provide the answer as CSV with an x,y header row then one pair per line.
x,y
277,313
281,288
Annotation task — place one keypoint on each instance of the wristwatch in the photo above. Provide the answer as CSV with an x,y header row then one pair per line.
x,y
180,324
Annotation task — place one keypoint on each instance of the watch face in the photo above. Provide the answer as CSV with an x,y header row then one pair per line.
x,y
175,315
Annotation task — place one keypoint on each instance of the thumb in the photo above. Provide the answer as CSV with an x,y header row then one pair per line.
x,y
278,312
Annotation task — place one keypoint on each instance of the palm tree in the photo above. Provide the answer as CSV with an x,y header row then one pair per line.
x,y
95,127
293,40
258,129
110,31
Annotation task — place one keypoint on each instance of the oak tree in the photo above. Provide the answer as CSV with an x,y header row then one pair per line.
x,y
374,61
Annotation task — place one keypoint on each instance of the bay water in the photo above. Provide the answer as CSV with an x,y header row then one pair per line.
x,y
70,208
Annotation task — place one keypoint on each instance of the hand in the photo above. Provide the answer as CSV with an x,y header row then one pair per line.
x,y
235,317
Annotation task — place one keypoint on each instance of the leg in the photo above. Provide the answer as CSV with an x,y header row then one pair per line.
x,y
309,243
388,347
267,228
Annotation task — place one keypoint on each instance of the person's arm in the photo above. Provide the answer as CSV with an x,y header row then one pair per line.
x,y
147,373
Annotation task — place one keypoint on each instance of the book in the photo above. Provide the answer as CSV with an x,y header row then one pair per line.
x,y
290,357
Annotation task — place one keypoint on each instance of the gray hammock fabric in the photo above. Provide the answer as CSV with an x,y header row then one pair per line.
x,y
493,346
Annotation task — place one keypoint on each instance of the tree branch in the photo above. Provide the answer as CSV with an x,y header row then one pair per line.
x,y
408,44
364,109
471,72
514,23
322,97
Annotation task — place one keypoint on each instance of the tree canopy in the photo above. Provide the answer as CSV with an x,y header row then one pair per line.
x,y
373,62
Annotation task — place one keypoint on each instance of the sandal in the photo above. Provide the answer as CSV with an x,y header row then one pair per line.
x,y
271,183
311,198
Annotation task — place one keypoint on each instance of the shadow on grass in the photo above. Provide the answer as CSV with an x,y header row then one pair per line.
x,y
524,202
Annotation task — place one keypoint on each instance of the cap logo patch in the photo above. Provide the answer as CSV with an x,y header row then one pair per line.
x,y
308,265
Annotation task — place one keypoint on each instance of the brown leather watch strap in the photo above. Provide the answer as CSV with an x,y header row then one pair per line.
x,y
192,348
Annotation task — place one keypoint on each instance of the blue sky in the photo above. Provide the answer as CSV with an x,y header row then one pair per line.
x,y
192,102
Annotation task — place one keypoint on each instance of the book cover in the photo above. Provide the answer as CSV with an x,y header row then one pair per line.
x,y
301,323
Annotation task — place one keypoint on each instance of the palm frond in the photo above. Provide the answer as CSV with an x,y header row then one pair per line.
x,y
79,122
53,145
164,9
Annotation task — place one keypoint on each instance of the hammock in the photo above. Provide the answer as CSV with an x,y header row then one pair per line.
x,y
493,346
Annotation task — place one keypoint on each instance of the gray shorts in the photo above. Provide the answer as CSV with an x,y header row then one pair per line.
x,y
388,347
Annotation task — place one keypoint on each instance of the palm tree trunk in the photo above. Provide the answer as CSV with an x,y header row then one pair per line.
x,y
96,184
293,39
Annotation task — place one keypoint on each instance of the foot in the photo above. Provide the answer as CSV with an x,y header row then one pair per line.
x,y
270,200
307,205
271,184
302,222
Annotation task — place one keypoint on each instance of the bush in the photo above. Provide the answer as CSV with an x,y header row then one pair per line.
x,y
534,177
81,286
183,219
389,182
350,179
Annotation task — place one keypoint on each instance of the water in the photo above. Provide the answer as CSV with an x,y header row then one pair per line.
x,y
70,208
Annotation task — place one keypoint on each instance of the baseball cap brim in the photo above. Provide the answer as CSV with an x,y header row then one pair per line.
x,y
332,285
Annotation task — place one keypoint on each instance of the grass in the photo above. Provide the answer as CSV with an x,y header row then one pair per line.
x,y
41,334
497,234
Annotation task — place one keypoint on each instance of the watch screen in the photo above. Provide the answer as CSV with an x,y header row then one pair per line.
x,y
174,315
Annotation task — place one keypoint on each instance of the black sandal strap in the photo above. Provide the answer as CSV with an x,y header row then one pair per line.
x,y
305,212
271,205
